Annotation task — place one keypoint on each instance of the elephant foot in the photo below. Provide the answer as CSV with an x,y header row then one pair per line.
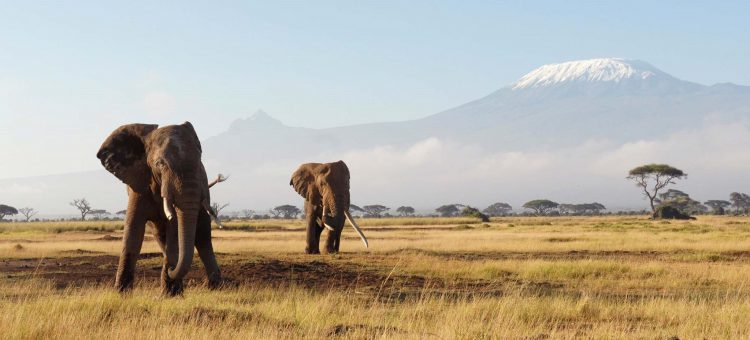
x,y
171,287
215,281
124,283
123,288
312,251
332,250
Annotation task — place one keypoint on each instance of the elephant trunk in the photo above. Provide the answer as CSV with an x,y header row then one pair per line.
x,y
187,219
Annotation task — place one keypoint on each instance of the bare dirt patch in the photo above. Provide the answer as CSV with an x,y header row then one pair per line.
x,y
82,268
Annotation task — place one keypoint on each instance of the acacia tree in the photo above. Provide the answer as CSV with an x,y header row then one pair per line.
x,y
405,211
449,210
6,210
498,209
541,207
581,209
740,201
83,206
247,213
660,174
681,201
218,207
99,213
718,206
354,209
375,210
28,213
286,211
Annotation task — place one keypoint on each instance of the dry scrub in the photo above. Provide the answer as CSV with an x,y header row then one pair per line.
x,y
534,278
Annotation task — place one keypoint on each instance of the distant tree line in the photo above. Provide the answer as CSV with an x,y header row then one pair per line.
x,y
652,179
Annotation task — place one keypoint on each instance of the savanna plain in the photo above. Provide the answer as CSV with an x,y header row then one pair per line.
x,y
443,278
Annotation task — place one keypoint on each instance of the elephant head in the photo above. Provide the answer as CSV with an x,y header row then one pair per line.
x,y
123,154
325,186
163,163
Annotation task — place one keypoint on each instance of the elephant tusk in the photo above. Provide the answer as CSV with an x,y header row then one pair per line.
x,y
217,221
212,214
356,227
168,208
323,219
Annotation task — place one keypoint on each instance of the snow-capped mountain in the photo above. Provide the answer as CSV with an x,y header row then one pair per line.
x,y
590,104
592,70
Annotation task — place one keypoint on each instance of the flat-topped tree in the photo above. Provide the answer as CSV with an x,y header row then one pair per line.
x,y
287,211
680,201
541,207
374,210
498,209
6,210
718,206
99,213
405,211
449,210
652,178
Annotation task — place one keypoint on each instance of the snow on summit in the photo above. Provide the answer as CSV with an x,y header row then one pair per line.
x,y
592,70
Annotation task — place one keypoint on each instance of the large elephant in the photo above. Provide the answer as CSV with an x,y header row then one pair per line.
x,y
168,189
325,187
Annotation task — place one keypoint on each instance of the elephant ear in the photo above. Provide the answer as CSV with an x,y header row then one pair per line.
x,y
123,153
194,135
303,181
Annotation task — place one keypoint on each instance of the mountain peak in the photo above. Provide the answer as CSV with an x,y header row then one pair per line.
x,y
259,119
587,71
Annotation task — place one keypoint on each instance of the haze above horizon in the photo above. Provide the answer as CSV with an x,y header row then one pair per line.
x,y
74,71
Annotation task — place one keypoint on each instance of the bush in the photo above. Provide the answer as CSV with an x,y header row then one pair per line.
x,y
669,212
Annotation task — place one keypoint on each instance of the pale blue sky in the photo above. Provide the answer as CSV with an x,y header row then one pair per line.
x,y
71,71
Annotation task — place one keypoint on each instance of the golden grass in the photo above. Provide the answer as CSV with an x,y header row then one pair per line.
x,y
511,278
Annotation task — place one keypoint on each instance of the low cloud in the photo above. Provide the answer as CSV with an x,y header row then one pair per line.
x,y
434,171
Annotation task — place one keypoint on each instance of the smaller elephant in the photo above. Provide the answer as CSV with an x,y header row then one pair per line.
x,y
325,187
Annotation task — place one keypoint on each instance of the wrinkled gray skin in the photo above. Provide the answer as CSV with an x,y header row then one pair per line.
x,y
323,184
163,171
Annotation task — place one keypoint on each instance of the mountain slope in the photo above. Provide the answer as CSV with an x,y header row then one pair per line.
x,y
554,105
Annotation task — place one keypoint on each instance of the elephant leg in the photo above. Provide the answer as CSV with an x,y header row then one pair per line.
x,y
333,240
169,286
313,229
160,235
135,227
334,236
206,250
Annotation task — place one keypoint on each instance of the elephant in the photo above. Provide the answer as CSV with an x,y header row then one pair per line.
x,y
325,188
168,189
